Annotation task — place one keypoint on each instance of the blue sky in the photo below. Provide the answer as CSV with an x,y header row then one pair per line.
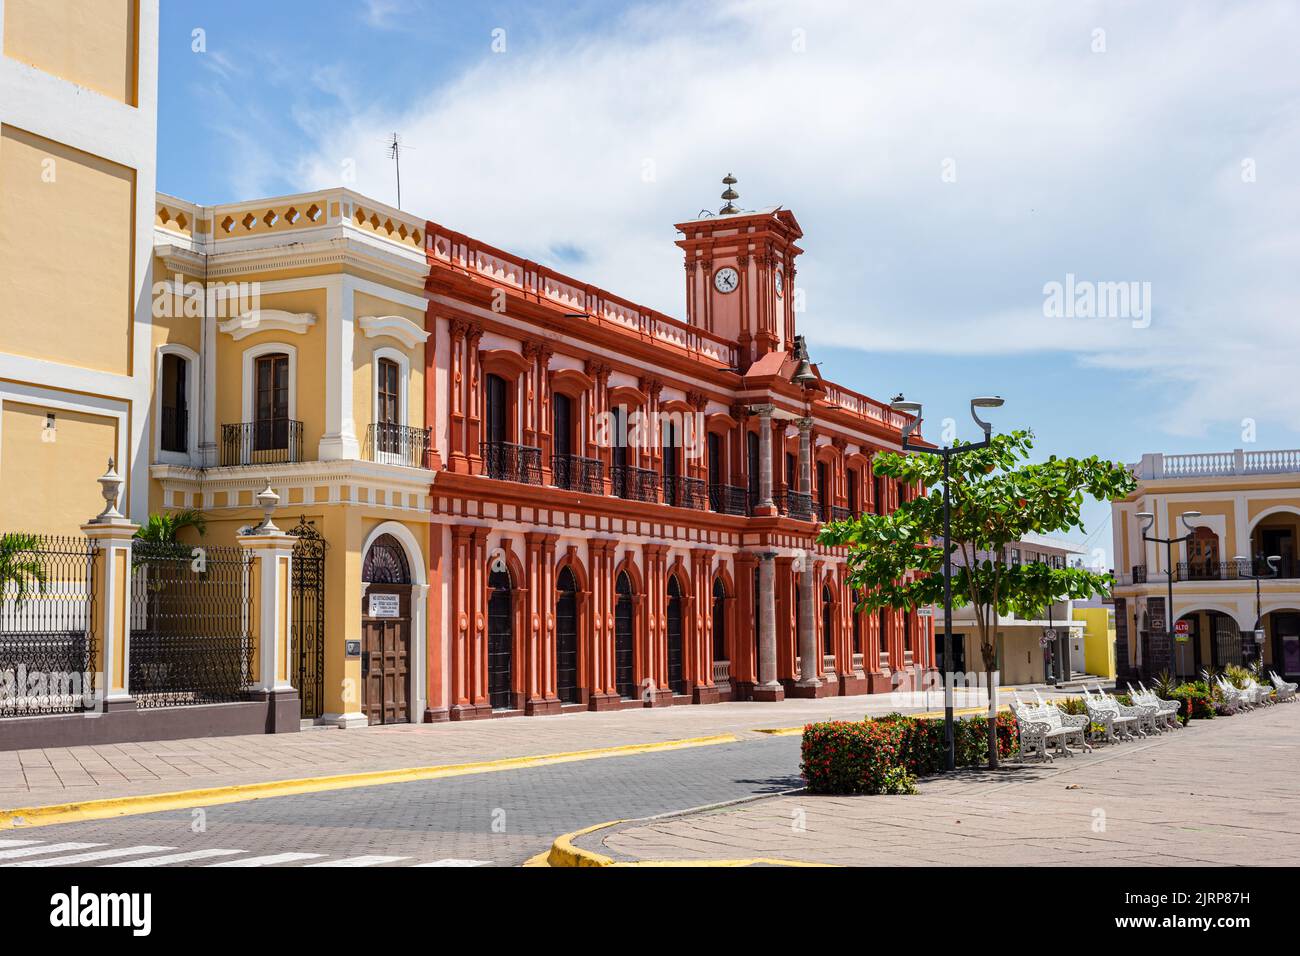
x,y
945,160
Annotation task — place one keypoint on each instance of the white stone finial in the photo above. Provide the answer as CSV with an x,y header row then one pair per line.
x,y
110,486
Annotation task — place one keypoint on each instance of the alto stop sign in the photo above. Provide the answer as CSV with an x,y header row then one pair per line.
x,y
1183,627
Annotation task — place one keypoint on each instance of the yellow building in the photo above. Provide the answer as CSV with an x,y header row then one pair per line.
x,y
78,121
1098,639
290,348
1220,507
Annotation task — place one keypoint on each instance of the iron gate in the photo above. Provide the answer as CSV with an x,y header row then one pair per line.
x,y
309,617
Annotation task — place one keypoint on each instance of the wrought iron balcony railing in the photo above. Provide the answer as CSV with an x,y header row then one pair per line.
x,y
840,514
796,505
270,441
729,499
397,445
507,461
577,473
635,484
175,426
683,492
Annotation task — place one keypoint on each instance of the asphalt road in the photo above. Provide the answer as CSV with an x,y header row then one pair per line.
x,y
500,818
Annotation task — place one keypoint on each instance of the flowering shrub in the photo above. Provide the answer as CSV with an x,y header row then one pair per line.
x,y
885,754
1196,700
847,756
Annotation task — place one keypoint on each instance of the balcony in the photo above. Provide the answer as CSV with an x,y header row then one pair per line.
x,y
1211,571
729,499
270,442
1219,464
683,492
840,514
576,473
792,504
507,461
635,484
392,444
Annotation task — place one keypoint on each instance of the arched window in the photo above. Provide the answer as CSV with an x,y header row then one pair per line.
x,y
385,562
676,679
1203,555
501,640
828,621
566,637
174,404
271,402
719,620
624,638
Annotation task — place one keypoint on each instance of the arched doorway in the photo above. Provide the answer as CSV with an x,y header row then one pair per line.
x,y
385,632
719,620
501,640
624,639
828,622
676,682
566,637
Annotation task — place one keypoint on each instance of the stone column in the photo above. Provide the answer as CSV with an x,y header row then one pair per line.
x,y
808,656
765,504
270,552
767,688
112,609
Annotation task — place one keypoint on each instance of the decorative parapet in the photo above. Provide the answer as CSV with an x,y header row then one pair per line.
x,y
1217,464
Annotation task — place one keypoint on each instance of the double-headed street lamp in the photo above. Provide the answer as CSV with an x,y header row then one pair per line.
x,y
1148,519
1243,563
914,409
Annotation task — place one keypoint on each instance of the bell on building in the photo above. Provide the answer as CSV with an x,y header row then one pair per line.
x,y
804,376
730,195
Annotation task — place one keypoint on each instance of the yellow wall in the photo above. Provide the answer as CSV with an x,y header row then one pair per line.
x,y
1098,640
93,43
310,375
66,254
363,349
49,486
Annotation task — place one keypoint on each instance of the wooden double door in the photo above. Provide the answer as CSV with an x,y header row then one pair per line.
x,y
385,654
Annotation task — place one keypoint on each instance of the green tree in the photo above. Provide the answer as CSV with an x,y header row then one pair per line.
x,y
19,564
997,498
166,528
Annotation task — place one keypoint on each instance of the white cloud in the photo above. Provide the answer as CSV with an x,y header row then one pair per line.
x,y
1117,166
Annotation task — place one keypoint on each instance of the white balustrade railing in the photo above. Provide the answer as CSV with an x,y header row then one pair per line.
x,y
1218,464
721,672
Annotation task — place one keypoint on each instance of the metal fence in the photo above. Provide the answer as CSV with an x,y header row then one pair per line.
x,y
190,611
47,614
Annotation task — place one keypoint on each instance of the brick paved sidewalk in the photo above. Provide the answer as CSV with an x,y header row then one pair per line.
x,y
1218,792
58,775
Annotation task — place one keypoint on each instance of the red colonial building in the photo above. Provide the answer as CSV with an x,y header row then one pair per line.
x,y
626,504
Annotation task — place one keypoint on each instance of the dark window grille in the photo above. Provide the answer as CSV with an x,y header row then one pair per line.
x,y
190,610
566,638
398,445
683,492
507,461
729,499
575,473
47,614
175,411
635,484
676,678
624,651
501,640
719,620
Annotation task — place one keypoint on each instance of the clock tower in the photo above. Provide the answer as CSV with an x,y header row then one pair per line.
x,y
740,271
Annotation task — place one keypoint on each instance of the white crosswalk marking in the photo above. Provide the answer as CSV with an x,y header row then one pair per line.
x,y
18,842
45,848
270,860
178,858
92,856
361,861
455,862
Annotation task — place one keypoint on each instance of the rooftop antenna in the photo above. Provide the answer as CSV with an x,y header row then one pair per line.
x,y
730,195
395,147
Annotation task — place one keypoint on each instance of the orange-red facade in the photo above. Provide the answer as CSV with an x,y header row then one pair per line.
x,y
621,498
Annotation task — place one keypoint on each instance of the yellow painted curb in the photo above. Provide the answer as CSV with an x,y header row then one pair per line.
x,y
563,853
212,796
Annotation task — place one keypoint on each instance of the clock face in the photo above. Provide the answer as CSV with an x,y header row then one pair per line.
x,y
726,280
780,283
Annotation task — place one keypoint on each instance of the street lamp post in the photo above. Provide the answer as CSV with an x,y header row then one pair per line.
x,y
914,409
1148,519
1242,563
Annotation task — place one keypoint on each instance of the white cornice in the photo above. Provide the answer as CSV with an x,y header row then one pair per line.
x,y
393,326
268,320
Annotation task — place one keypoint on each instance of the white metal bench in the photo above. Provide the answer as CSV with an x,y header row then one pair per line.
x,y
1167,711
1043,724
1105,711
1285,689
